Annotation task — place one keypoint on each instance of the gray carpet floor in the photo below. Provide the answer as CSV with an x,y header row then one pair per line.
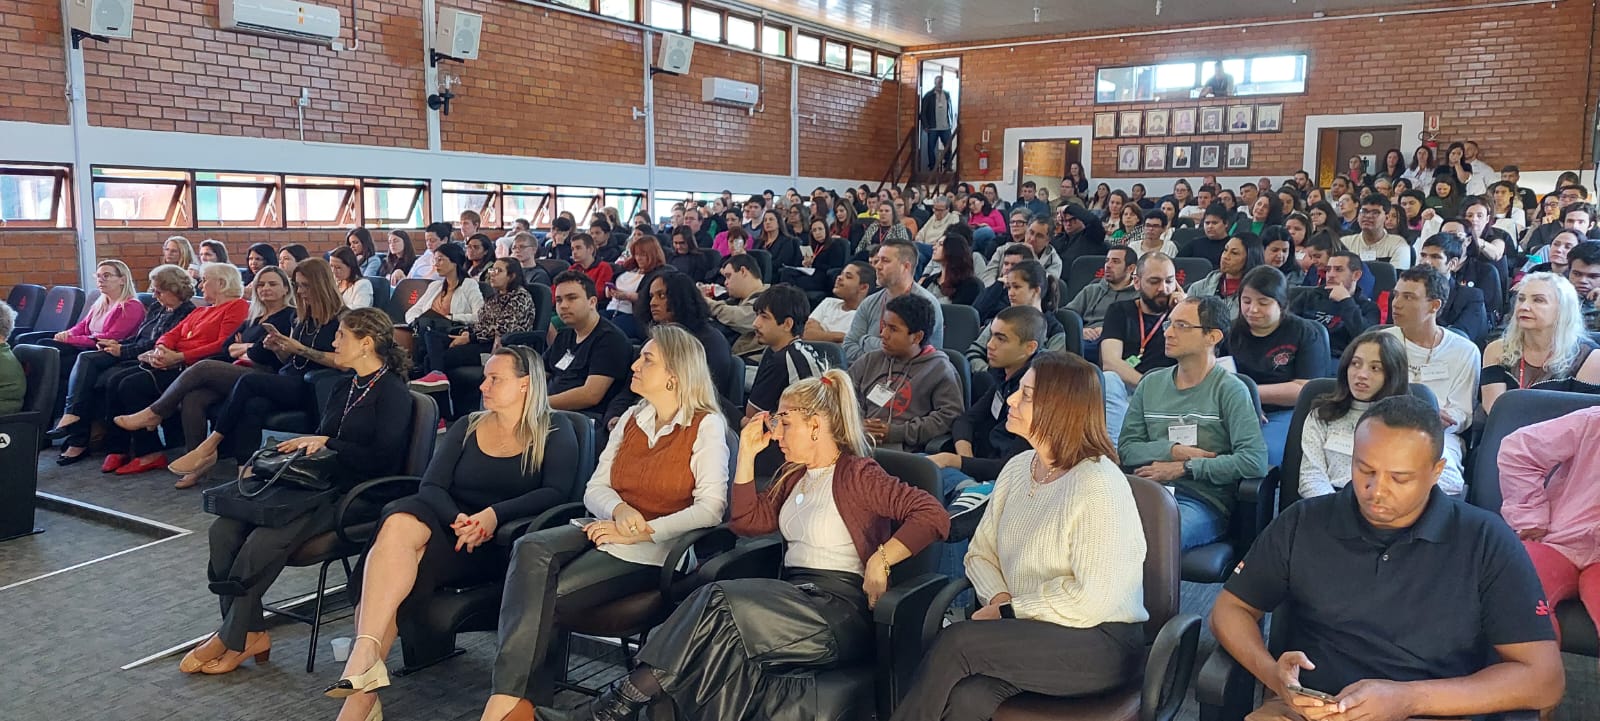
x,y
67,636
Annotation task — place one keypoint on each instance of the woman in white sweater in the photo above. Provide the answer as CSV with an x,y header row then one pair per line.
x,y
1058,560
1372,368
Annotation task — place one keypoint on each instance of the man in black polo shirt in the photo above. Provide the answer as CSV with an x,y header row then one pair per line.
x,y
1131,344
1214,226
588,364
1399,593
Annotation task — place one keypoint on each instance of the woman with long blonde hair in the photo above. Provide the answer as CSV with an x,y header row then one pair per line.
x,y
1545,344
489,469
663,473
115,315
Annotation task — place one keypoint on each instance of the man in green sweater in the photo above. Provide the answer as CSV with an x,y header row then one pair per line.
x,y
1193,426
13,382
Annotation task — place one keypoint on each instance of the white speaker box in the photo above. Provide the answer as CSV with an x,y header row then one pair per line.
x,y
106,18
675,54
457,33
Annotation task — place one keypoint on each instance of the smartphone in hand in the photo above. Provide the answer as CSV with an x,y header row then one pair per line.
x,y
1313,693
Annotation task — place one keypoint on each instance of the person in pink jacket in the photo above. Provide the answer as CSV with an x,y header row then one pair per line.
x,y
1547,473
115,316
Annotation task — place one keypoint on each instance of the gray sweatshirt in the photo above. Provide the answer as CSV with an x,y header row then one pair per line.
x,y
920,397
1092,302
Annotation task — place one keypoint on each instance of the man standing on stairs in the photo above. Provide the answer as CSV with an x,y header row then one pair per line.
x,y
938,119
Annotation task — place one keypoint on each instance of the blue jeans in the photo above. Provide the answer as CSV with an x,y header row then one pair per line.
x,y
1276,434
1116,393
932,139
983,240
1199,522
949,478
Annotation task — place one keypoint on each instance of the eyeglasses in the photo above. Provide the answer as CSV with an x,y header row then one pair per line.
x,y
774,419
1181,325
493,270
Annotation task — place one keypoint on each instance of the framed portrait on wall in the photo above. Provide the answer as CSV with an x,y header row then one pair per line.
x,y
1238,155
1183,120
1211,119
1128,159
1155,157
1182,157
1130,123
1105,125
1269,118
1210,156
1241,118
1155,122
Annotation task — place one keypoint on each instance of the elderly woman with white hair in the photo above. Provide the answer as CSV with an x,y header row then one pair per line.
x,y
132,386
1545,345
13,382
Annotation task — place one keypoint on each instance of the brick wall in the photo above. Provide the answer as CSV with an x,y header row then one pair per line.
x,y
42,257
181,73
856,132
35,69
698,135
1482,81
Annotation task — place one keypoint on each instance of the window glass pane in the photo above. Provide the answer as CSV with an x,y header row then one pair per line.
x,y
619,9
807,48
28,195
885,66
861,61
626,201
835,54
318,201
741,33
229,204
1175,75
775,40
705,24
525,201
667,15
138,195
460,196
396,207
1251,76
578,202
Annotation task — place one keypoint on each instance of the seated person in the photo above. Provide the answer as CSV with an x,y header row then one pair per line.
x,y
1339,305
1463,308
1240,255
1213,240
787,360
13,380
280,358
829,253
558,244
689,258
116,315
1547,473
983,442
1411,552
1372,368
632,289
584,261
993,298
741,275
1026,286
816,615
1061,576
1374,243
674,298
587,362
396,263
1205,458
1544,346
525,250
354,290
508,310
1277,349
907,386
358,423
1445,362
1130,346
894,263
1156,236
831,319
506,462
952,276
1554,255
1115,284
663,473
436,236
202,334
446,308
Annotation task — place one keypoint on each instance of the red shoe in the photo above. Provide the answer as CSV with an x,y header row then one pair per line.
x,y
433,381
138,466
113,462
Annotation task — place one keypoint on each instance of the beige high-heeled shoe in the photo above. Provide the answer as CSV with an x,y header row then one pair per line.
x,y
261,651
376,714
192,663
191,462
375,677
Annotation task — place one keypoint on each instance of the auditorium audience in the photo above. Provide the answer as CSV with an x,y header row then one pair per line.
x,y
787,359
359,241
1463,308
1446,362
480,255
741,276
446,307
1126,348
1081,234
1372,368
256,257
1157,235
1277,349
893,263
1583,270
290,255
506,462
955,280
1373,242
995,296
401,256
674,298
689,258
1115,284
1213,239
1545,344
831,319
663,473
1240,254
116,315
1026,286
358,424
907,385
982,442
508,310
1193,426
436,236
177,250
587,361
1553,259
1412,660
354,290
524,250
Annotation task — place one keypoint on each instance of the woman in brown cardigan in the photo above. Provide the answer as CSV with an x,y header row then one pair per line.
x,y
834,506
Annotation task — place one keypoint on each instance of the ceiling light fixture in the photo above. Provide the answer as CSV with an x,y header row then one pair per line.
x,y
930,24
1036,14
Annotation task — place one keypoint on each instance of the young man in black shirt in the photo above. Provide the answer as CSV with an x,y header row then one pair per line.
x,y
780,313
1464,309
1338,305
589,362
1214,226
981,442
1441,583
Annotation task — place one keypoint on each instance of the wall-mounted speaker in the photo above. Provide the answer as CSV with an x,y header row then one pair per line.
x,y
105,18
457,33
675,54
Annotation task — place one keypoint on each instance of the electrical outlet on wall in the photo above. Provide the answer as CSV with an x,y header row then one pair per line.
x,y
305,98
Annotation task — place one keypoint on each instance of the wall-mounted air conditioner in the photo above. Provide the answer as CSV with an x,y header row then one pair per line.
x,y
283,19
732,93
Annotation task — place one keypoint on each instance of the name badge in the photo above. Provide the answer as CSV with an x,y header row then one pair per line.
x,y
1341,444
1184,435
880,395
1132,360
565,362
1369,255
1433,372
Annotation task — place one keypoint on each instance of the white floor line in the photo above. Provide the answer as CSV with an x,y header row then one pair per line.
x,y
77,566
191,643
169,528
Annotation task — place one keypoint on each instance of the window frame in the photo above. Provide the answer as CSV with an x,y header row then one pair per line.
x,y
755,31
61,206
722,23
683,16
178,205
787,32
418,205
270,204
1200,64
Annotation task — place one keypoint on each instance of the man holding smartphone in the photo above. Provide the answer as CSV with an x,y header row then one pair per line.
x,y
1397,590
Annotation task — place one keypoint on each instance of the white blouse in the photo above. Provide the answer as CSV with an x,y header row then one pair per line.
x,y
810,522
358,295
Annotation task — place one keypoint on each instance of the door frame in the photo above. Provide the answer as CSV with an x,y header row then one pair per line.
x,y
1011,156
1410,130
955,157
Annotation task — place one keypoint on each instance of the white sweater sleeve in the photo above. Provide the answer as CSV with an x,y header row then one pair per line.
x,y
1313,460
983,557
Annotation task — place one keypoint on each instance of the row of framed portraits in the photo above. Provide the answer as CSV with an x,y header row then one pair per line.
x,y
1208,120
1183,156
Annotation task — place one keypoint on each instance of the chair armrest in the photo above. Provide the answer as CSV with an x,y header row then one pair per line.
x,y
900,617
1225,687
552,517
28,418
341,519
1262,496
760,557
932,623
709,541
1172,656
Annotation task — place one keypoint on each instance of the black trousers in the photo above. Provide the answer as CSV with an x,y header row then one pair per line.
x,y
437,355
198,388
254,397
129,388
976,665
554,573
725,653
246,559
82,380
69,354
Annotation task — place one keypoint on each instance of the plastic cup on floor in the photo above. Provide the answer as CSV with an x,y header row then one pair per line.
x,y
341,649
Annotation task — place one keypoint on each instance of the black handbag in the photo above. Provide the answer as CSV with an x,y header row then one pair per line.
x,y
296,484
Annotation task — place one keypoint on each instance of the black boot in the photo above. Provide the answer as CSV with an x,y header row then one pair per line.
x,y
621,702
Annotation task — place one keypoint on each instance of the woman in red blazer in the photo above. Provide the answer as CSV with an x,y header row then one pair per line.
x,y
200,336
837,510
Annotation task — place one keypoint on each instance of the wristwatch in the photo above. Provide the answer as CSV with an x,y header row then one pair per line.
x,y
1188,468
1006,611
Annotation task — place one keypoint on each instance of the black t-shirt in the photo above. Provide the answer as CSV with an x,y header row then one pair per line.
x,y
1433,600
1296,350
780,368
1203,247
606,352
1140,334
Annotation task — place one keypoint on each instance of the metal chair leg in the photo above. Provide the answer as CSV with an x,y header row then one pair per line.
x,y
316,616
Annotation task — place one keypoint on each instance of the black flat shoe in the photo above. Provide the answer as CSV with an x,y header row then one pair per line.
x,y
59,432
66,460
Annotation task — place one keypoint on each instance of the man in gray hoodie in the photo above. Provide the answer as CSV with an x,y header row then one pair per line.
x,y
1092,302
908,391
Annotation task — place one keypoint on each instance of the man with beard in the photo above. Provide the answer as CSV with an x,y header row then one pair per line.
x,y
1131,343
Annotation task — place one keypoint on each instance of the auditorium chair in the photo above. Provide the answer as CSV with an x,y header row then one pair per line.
x,y
961,326
356,520
833,353
1085,269
1172,638
1072,328
25,299
554,266
404,296
1190,270
1289,473
1512,411
764,260
380,291
21,437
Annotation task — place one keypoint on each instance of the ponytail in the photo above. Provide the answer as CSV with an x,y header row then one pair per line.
x,y
832,396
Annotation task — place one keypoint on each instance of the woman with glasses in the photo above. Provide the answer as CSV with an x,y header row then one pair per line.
x,y
115,315
509,310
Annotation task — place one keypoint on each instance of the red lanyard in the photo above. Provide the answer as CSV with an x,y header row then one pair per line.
x,y
1144,338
